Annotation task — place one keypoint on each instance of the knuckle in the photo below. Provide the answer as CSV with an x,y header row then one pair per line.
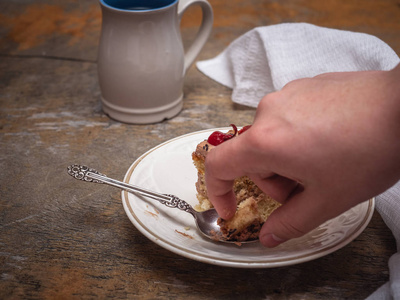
x,y
267,100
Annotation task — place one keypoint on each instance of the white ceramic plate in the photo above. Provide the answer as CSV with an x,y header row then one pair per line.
x,y
168,168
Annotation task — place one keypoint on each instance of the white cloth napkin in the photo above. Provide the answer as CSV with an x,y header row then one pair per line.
x,y
266,58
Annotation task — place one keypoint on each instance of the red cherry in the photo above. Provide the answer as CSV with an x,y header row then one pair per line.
x,y
217,137
244,129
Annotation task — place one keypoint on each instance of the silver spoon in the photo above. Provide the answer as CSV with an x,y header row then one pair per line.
x,y
206,221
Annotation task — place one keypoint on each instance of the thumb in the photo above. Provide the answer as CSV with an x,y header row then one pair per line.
x,y
297,216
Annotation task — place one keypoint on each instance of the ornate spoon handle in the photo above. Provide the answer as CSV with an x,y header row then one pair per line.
x,y
91,175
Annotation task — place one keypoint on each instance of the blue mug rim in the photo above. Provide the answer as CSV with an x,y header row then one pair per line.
x,y
172,2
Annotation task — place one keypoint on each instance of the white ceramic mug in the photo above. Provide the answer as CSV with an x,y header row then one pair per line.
x,y
141,59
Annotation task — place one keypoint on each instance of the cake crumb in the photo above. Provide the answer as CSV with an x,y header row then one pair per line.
x,y
184,234
151,214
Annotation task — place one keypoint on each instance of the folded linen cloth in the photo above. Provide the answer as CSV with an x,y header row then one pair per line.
x,y
266,58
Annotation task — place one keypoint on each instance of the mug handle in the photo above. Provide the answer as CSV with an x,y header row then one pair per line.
x,y
204,30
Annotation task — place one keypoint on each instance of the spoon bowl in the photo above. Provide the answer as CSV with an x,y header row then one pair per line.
x,y
206,221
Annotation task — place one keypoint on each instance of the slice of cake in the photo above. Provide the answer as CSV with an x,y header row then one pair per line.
x,y
253,206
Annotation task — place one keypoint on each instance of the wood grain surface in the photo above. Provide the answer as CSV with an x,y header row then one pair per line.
x,y
63,239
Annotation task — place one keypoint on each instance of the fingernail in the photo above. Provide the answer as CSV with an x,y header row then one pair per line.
x,y
270,240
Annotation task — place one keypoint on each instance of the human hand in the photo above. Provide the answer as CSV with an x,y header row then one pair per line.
x,y
319,146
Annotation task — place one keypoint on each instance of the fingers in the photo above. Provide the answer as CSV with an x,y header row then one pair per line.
x,y
300,214
233,159
221,170
225,204
277,187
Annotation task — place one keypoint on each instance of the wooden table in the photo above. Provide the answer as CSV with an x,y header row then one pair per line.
x,y
61,239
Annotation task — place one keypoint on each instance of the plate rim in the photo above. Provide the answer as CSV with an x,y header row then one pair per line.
x,y
270,263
